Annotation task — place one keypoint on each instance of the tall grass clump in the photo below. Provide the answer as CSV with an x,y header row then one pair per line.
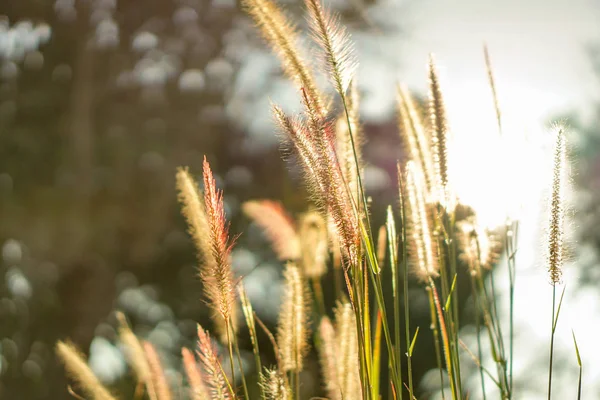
x,y
429,236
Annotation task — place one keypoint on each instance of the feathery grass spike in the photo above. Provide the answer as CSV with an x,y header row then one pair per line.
x,y
81,372
163,392
557,209
292,332
314,245
215,378
274,385
439,137
348,372
281,35
336,47
135,355
420,244
218,277
328,357
278,226
197,388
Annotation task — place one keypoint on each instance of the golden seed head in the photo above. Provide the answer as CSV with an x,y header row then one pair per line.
x,y
313,239
292,331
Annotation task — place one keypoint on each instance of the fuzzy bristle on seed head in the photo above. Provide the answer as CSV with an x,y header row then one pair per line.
x,y
274,385
197,388
413,135
218,277
135,356
421,249
314,142
215,379
439,139
479,250
79,370
328,357
313,239
192,208
278,226
555,236
281,35
348,371
292,330
157,372
336,48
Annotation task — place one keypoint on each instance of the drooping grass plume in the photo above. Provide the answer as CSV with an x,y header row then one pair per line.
x,y
328,357
313,239
421,246
197,388
336,48
135,356
314,142
439,138
274,385
293,331
347,360
414,136
278,226
477,245
81,372
281,35
555,235
215,379
157,373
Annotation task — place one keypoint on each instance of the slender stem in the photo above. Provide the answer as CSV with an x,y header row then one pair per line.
x,y
478,325
318,290
436,338
552,342
446,342
239,359
230,342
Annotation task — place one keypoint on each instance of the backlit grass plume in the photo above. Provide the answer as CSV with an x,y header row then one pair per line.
x,y
314,142
555,235
274,385
477,245
81,372
214,376
278,226
197,389
421,246
281,35
328,358
413,135
347,361
293,331
313,239
136,357
439,138
157,373
348,130
336,48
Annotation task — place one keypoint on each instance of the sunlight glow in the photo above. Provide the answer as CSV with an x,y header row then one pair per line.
x,y
497,174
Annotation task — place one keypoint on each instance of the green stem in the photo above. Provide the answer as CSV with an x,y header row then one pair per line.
x,y
552,342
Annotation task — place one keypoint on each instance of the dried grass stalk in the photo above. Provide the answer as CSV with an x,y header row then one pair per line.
x,y
81,372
